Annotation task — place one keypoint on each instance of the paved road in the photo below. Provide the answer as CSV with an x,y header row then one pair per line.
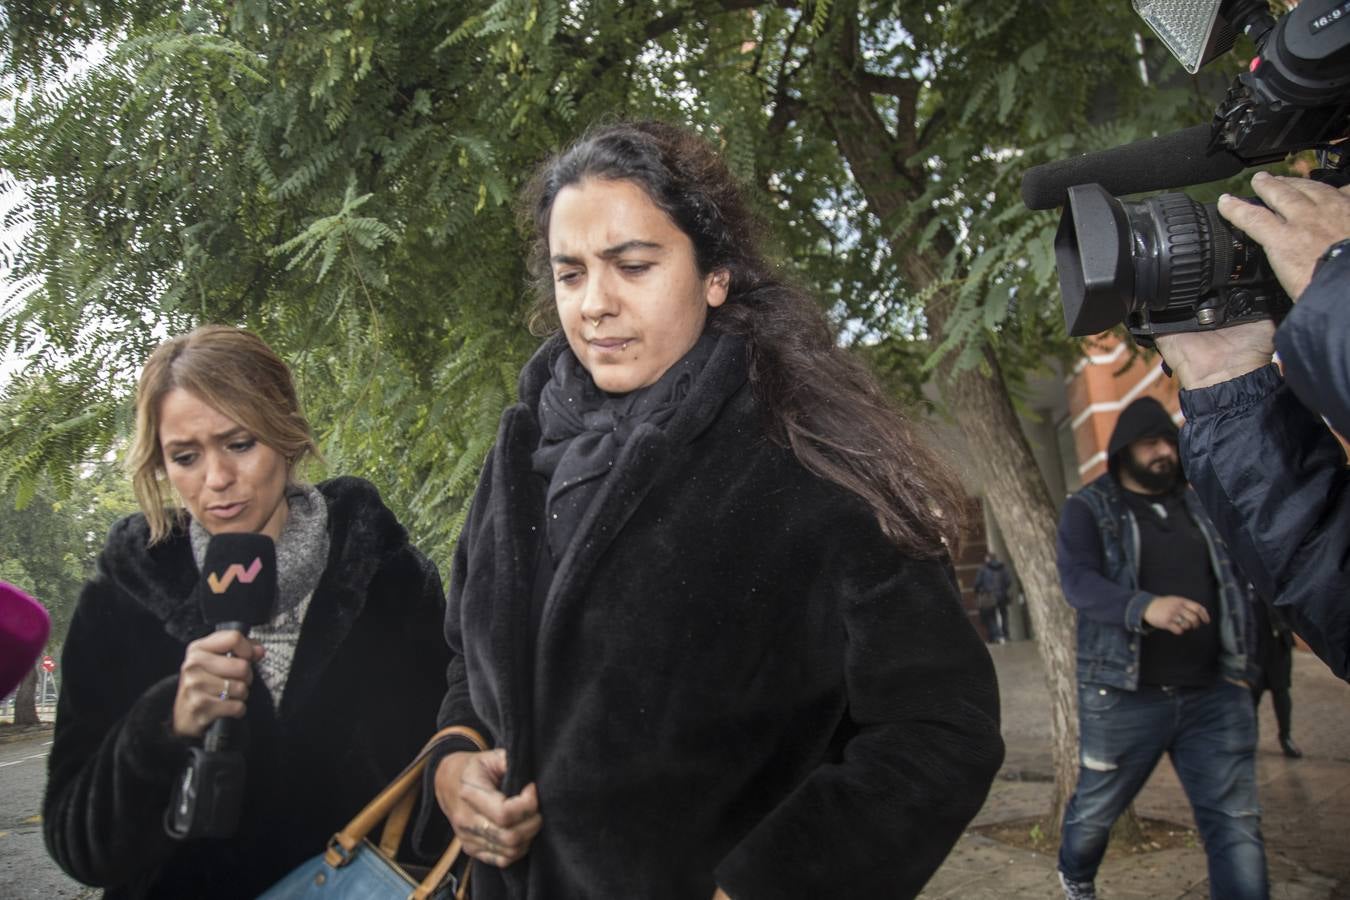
x,y
25,869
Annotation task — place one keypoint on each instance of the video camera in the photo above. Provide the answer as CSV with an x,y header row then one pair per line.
x,y
1169,264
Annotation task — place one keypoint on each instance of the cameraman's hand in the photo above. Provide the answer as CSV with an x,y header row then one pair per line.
x,y
1302,219
1175,614
1203,358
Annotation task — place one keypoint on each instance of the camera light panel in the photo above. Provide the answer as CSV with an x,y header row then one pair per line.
x,y
1185,26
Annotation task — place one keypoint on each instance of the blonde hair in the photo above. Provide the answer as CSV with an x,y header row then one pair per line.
x,y
234,372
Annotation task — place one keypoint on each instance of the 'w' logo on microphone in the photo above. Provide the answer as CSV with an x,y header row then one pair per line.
x,y
222,584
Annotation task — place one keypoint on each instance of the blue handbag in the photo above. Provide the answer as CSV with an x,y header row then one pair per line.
x,y
352,868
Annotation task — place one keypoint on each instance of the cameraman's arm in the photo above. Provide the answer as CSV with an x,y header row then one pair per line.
x,y
1301,221
1273,479
1269,472
1314,341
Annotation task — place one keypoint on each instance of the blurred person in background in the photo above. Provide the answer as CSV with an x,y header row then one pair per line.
x,y
1164,659
992,582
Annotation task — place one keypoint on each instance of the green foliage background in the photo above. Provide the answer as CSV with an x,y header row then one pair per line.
x,y
48,547
340,177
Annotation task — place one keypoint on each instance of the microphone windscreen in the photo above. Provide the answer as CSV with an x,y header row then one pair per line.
x,y
239,579
24,626
1175,160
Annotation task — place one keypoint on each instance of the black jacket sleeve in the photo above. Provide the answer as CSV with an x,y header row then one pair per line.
x,y
457,707
1314,343
114,758
1273,479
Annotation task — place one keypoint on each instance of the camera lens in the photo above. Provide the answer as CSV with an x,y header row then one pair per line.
x,y
1162,264
1178,245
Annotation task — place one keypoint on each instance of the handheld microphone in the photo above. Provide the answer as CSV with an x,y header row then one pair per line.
x,y
1170,161
24,626
237,591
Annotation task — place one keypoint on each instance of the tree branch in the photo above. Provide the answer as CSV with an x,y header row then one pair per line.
x,y
785,108
895,85
663,25
935,121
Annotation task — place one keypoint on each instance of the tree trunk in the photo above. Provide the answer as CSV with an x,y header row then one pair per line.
x,y
979,400
25,700
1021,503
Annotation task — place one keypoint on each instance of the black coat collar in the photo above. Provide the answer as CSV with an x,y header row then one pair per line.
x,y
363,533
518,524
635,470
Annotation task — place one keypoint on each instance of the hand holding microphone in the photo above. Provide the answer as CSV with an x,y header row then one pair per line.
x,y
237,591
214,681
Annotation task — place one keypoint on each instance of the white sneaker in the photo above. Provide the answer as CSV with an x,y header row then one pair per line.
x,y
1077,890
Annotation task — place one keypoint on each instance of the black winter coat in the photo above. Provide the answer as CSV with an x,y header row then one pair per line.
x,y
360,700
736,681
1314,342
1271,475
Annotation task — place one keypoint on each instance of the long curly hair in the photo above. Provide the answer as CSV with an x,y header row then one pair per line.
x,y
818,399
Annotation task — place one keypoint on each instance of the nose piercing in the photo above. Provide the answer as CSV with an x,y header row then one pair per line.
x,y
595,322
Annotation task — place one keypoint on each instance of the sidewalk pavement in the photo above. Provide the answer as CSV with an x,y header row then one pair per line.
x,y
1305,802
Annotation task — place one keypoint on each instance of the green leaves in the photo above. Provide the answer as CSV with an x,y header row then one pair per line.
x,y
327,236
340,177
50,535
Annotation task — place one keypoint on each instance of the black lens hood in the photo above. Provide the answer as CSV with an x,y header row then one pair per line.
x,y
1092,253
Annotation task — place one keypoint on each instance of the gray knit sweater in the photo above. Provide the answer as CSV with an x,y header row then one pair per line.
x,y
302,553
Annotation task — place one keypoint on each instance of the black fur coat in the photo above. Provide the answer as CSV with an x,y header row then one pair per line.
x,y
736,680
360,699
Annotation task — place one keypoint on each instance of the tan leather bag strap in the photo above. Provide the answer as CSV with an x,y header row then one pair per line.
x,y
438,873
391,835
394,826
394,806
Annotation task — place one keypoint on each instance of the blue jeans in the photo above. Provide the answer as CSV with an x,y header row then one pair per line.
x,y
1210,734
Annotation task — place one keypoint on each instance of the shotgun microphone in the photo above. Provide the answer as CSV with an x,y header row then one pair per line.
x,y
1170,161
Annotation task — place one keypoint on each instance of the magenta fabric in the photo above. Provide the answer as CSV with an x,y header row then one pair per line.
x,y
24,626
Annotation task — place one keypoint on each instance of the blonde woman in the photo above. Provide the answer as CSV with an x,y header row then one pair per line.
x,y
337,690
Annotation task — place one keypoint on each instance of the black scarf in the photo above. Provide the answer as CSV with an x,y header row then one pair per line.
x,y
582,430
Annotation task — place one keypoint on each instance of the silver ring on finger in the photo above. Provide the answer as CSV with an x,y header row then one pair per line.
x,y
225,690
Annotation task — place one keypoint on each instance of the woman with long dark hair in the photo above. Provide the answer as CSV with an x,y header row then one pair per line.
x,y
702,606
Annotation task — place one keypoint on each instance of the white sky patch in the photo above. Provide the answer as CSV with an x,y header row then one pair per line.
x,y
14,228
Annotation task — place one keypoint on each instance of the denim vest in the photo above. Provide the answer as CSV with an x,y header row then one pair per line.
x,y
1109,654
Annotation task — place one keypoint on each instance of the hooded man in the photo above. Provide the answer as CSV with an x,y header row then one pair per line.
x,y
1163,659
